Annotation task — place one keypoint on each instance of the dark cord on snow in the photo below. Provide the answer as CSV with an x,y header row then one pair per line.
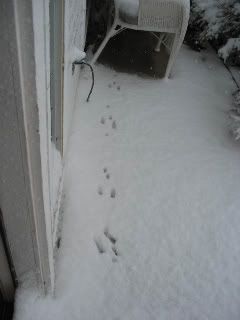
x,y
92,72
82,62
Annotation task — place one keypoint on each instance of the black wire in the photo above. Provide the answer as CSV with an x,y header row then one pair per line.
x,y
93,81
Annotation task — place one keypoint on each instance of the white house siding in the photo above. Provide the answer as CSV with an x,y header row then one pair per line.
x,y
74,37
15,191
22,165
42,62
75,12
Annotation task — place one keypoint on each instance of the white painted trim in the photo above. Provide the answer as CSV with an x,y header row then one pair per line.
x,y
42,59
52,168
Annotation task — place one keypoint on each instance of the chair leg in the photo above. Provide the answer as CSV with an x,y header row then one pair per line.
x,y
173,54
157,48
109,35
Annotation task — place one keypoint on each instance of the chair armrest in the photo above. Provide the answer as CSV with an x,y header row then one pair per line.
x,y
116,9
116,4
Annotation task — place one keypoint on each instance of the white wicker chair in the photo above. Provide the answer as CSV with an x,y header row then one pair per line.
x,y
167,17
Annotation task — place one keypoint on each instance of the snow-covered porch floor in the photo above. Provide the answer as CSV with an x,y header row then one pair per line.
x,y
151,226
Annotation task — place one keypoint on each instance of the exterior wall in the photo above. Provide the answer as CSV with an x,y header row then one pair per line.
x,y
51,162
42,63
74,37
13,203
31,167
75,12
25,43
21,197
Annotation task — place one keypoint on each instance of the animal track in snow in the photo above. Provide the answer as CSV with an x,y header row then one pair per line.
x,y
99,245
109,236
107,174
115,251
102,120
114,125
110,117
100,190
107,244
58,243
113,193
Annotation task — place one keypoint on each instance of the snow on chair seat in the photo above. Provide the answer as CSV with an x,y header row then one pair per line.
x,y
128,11
167,17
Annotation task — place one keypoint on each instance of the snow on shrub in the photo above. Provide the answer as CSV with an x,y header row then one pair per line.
x,y
235,116
217,21
231,50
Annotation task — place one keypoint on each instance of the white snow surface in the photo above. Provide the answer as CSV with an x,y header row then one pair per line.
x,y
175,215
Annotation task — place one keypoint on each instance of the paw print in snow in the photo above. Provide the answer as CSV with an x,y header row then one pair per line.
x,y
107,244
100,190
109,236
113,193
100,245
